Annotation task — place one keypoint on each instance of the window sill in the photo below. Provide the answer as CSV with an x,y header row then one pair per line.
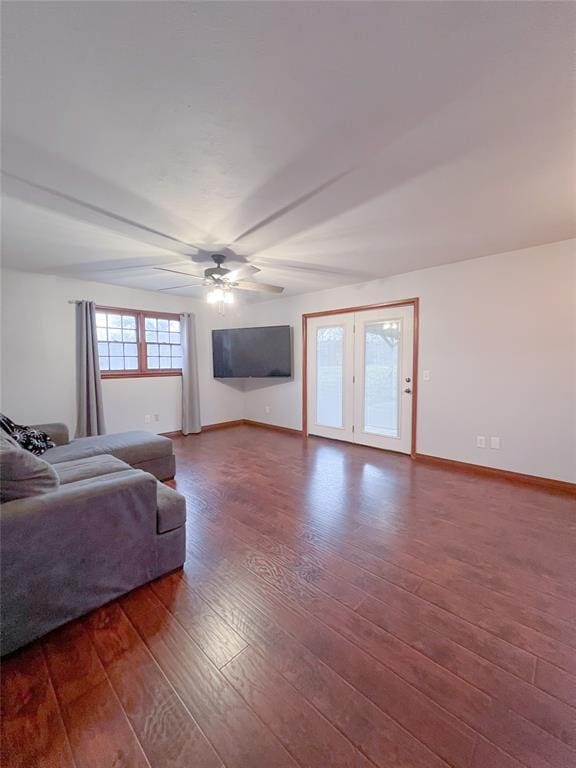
x,y
138,374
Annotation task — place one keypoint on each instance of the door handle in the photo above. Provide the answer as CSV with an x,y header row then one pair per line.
x,y
408,391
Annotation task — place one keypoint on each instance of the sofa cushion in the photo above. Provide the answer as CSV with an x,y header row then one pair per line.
x,y
71,452
23,474
83,469
171,509
131,447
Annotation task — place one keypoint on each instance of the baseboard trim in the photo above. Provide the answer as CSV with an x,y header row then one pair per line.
x,y
547,483
274,427
222,425
249,422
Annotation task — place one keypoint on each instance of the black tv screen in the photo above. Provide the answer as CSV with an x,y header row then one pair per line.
x,y
239,353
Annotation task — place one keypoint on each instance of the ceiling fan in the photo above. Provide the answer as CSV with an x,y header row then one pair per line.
x,y
223,281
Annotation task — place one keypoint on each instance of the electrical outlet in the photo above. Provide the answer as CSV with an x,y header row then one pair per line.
x,y
495,443
267,409
156,417
426,375
147,419
480,441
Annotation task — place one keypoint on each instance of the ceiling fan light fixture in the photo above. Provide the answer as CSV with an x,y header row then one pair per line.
x,y
220,295
215,295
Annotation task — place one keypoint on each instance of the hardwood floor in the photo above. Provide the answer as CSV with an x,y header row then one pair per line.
x,y
340,608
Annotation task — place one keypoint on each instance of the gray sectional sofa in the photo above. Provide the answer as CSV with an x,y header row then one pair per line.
x,y
80,526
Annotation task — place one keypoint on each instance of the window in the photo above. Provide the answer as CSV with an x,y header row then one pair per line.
x,y
134,343
162,340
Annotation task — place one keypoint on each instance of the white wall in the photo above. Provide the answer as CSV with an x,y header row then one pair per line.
x,y
219,400
498,335
38,367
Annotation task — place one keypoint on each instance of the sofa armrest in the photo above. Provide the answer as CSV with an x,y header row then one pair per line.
x,y
66,552
98,496
57,431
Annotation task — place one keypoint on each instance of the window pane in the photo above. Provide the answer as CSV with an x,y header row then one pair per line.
x,y
165,362
116,363
131,363
163,325
101,319
102,334
116,350
114,321
163,337
104,364
102,348
153,362
153,350
165,349
115,334
176,351
174,338
177,362
128,334
151,336
174,326
131,350
150,323
329,373
381,378
128,321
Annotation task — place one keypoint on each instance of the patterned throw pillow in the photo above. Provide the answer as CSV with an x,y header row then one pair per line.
x,y
33,440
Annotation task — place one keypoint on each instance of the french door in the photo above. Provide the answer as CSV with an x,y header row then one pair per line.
x,y
360,377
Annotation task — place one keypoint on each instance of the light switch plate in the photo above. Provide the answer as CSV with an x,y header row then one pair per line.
x,y
426,375
480,441
495,442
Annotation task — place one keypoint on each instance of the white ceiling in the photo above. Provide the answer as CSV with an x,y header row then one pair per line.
x,y
327,143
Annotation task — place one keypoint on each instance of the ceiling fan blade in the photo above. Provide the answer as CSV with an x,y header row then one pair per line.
x,y
176,287
180,272
262,287
246,270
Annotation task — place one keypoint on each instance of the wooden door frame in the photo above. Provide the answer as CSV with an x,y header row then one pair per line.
x,y
365,308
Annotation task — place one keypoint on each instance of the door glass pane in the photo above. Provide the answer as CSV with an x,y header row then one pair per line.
x,y
329,372
382,378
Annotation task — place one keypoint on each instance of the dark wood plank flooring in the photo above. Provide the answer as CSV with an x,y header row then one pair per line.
x,y
340,608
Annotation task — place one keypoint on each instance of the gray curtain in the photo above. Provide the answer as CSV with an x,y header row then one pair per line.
x,y
90,415
190,393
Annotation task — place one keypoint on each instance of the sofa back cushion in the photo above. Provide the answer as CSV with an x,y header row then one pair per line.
x,y
22,474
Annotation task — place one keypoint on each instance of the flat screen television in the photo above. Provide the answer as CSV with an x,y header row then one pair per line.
x,y
241,353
